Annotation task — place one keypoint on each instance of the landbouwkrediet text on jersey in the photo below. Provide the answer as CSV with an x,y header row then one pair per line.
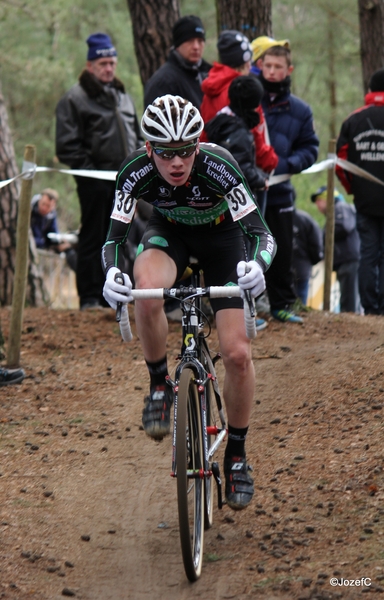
x,y
222,176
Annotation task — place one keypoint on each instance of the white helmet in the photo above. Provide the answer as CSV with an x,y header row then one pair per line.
x,y
171,119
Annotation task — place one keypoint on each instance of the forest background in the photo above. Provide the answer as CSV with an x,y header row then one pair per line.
x,y
43,50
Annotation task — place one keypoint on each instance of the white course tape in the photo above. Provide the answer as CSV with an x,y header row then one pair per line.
x,y
30,169
347,166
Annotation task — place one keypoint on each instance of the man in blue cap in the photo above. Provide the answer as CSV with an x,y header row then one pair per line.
x,y
96,128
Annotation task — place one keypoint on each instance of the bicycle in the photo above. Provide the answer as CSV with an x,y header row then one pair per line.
x,y
199,424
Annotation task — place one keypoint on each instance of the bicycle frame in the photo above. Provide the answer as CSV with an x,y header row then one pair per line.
x,y
194,346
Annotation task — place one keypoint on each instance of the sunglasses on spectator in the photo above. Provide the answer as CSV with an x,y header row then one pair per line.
x,y
168,153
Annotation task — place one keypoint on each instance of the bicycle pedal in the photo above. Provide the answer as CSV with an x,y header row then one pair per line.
x,y
216,473
216,358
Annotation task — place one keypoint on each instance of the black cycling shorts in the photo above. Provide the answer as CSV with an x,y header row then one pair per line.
x,y
218,249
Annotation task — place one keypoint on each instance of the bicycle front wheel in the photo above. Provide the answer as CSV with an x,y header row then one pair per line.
x,y
190,478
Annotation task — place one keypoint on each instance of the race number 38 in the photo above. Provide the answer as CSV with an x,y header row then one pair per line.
x,y
124,207
240,202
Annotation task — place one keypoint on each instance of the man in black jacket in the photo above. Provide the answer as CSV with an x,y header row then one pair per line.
x,y
361,142
96,128
185,68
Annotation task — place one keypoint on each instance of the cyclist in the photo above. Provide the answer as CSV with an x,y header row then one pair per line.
x,y
203,206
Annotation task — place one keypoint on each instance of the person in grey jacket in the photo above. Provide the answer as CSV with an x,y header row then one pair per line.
x,y
96,128
346,252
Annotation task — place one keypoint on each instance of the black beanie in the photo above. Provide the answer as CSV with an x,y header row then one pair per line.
x,y
186,29
246,92
376,83
234,48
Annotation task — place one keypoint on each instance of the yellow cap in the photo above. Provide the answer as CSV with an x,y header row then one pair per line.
x,y
263,43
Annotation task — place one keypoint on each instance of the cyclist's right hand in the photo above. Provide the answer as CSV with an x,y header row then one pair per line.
x,y
115,292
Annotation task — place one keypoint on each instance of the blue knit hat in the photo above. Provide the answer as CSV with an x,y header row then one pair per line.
x,y
99,46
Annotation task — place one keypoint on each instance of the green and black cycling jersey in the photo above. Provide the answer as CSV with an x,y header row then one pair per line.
x,y
215,195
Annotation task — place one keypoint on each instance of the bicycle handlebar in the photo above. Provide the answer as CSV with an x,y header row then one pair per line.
x,y
208,292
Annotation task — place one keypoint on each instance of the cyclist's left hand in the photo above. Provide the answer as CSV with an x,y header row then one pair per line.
x,y
251,277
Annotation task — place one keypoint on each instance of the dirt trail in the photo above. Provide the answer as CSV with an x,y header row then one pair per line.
x,y
87,504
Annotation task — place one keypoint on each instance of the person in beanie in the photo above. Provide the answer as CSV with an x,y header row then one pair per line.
x,y
231,129
185,68
361,142
235,54
291,129
96,128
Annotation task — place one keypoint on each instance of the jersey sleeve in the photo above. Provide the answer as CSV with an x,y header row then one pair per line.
x,y
123,211
242,205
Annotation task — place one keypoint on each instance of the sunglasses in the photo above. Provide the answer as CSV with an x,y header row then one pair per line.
x,y
169,153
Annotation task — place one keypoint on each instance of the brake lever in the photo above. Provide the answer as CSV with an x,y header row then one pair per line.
x,y
119,279
248,297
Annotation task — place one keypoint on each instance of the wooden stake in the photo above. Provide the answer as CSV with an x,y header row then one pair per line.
x,y
21,265
329,230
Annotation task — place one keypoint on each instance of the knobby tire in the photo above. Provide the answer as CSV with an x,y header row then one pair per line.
x,y
190,492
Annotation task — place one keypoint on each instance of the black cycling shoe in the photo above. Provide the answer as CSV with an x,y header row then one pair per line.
x,y
10,376
238,482
157,412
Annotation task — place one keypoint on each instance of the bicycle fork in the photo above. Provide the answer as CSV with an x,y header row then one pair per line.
x,y
218,432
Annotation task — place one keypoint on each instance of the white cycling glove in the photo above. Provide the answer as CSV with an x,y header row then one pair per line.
x,y
251,277
115,292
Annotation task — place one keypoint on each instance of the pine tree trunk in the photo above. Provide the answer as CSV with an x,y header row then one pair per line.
x,y
152,22
36,294
8,208
371,18
252,17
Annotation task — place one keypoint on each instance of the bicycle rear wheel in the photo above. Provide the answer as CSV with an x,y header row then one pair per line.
x,y
190,481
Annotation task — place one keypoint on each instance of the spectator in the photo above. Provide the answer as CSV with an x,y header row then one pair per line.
x,y
96,128
185,68
44,218
181,75
259,46
308,250
231,129
361,142
44,223
235,54
346,248
290,125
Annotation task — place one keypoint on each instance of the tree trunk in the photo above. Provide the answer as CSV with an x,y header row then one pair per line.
x,y
371,18
36,294
152,22
251,17
8,208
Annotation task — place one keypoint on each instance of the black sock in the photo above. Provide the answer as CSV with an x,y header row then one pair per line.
x,y
157,371
236,441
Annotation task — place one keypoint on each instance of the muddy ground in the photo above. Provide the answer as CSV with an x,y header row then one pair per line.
x,y
87,506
